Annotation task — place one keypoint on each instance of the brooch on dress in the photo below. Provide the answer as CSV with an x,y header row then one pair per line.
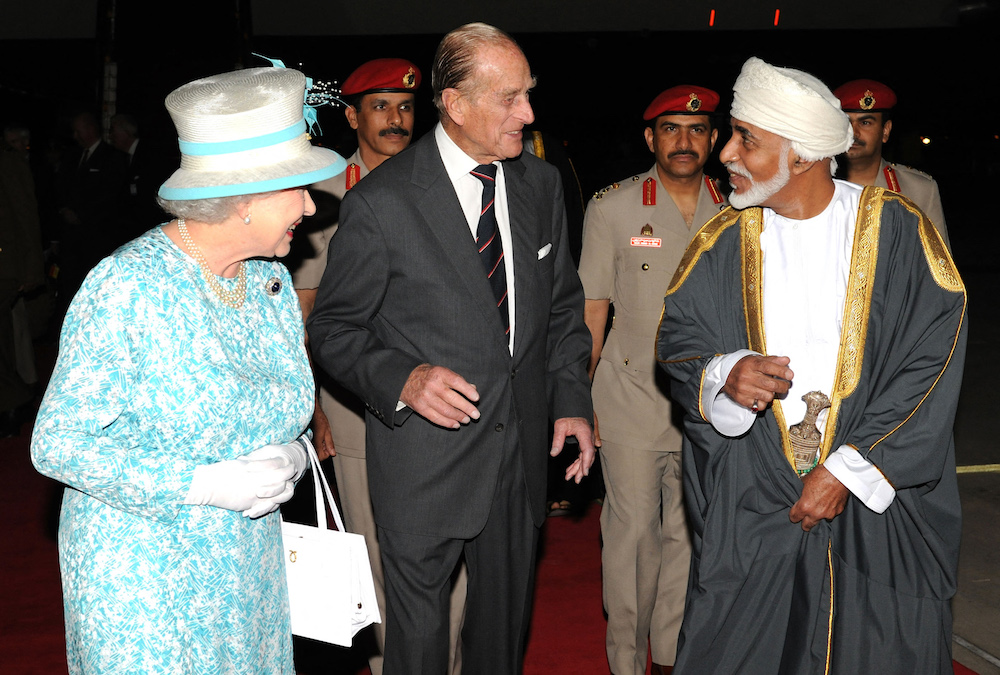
x,y
273,286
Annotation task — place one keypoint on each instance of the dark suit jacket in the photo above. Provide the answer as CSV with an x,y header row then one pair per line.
x,y
404,286
97,192
149,168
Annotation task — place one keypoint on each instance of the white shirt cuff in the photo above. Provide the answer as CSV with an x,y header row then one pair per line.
x,y
861,477
727,416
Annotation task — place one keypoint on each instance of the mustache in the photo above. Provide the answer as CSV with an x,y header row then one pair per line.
x,y
394,130
733,168
677,153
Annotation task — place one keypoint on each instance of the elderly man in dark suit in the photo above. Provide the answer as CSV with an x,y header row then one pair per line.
x,y
458,394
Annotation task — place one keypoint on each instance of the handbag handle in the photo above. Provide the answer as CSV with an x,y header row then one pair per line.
x,y
320,478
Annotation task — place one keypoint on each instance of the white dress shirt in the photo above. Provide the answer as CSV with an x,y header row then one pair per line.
x,y
470,195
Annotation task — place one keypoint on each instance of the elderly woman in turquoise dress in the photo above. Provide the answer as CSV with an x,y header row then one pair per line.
x,y
177,408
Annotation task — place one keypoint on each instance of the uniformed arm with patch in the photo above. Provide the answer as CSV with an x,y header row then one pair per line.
x,y
597,258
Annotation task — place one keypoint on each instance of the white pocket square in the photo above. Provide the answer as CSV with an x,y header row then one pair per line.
x,y
544,251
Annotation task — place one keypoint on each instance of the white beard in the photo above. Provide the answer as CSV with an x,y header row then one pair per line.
x,y
758,193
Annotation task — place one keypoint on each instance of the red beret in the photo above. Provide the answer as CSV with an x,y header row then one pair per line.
x,y
683,100
864,95
382,75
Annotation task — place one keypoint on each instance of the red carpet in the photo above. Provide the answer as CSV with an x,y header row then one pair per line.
x,y
567,627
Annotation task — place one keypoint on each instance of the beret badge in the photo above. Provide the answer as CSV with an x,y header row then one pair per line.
x,y
694,105
410,79
867,102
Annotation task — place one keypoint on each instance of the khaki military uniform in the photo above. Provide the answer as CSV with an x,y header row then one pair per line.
x,y
346,414
917,186
631,249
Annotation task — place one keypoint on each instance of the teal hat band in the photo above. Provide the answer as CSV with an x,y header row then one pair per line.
x,y
296,180
195,149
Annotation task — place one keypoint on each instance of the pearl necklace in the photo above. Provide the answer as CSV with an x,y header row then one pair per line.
x,y
232,297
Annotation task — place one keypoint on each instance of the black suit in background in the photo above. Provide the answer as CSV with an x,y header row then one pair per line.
x,y
95,191
404,286
149,166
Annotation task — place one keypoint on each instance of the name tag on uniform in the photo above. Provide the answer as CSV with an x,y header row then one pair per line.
x,y
647,242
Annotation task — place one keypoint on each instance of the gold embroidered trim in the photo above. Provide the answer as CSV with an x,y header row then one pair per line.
x,y
857,309
938,256
701,389
538,144
703,241
753,299
829,625
753,308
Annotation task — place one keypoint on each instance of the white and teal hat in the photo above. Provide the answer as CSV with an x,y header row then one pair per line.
x,y
245,132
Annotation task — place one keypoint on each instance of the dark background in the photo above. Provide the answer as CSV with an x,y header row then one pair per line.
x,y
598,65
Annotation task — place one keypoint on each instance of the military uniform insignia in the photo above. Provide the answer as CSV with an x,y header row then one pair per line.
x,y
646,239
352,175
713,189
649,192
867,101
613,186
410,79
693,105
890,178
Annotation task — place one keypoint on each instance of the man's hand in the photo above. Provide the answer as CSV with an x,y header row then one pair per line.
x,y
440,395
823,498
580,428
322,437
755,381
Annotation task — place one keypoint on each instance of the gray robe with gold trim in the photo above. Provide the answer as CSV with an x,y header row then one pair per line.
x,y
759,599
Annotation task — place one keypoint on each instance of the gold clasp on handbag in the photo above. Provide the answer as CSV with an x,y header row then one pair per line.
x,y
291,556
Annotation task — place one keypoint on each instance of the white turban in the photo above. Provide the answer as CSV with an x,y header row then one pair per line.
x,y
793,105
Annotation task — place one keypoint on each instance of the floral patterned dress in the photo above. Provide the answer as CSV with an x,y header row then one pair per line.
x,y
156,376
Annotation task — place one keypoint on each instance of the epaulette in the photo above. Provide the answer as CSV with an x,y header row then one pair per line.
x,y
911,170
613,186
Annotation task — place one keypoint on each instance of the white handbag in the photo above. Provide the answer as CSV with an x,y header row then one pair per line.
x,y
330,589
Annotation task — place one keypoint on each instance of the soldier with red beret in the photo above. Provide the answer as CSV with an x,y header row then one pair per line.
x,y
869,104
381,97
634,235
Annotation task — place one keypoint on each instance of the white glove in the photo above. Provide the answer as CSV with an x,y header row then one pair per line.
x,y
295,455
241,484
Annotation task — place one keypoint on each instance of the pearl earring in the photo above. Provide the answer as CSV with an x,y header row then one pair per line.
x,y
247,219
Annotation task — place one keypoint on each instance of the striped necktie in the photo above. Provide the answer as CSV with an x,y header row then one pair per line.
x,y
488,240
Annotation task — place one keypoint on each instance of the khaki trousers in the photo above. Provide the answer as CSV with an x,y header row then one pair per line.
x,y
645,556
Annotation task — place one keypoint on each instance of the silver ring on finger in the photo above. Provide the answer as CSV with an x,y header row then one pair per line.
x,y
755,408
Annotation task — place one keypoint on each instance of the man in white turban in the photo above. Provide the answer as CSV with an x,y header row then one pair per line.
x,y
825,533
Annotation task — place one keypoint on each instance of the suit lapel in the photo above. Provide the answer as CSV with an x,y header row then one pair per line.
x,y
443,214
522,205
